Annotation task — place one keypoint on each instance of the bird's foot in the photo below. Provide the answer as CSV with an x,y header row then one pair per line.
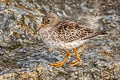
x,y
75,63
58,64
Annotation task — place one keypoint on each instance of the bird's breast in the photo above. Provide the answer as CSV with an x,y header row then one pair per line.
x,y
46,36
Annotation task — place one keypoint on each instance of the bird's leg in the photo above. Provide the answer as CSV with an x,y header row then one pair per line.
x,y
79,60
60,64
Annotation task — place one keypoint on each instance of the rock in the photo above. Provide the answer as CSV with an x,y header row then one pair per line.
x,y
24,56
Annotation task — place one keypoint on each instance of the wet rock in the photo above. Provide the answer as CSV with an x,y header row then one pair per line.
x,y
24,56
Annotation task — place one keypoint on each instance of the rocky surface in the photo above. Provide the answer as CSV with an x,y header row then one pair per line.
x,y
23,56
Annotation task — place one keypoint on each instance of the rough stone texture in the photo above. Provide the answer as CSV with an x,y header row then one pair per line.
x,y
23,56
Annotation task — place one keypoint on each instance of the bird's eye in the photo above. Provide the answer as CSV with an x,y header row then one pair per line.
x,y
48,20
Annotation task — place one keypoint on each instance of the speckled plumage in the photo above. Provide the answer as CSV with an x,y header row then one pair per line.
x,y
66,35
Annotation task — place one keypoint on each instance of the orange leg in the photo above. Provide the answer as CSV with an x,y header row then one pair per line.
x,y
60,64
78,58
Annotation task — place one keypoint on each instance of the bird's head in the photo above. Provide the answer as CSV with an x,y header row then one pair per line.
x,y
50,20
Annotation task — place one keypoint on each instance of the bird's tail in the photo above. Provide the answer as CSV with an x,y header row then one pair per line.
x,y
98,32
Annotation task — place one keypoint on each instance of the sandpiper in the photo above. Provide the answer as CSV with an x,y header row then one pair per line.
x,y
57,33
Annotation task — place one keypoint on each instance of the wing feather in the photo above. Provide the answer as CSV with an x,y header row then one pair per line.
x,y
71,31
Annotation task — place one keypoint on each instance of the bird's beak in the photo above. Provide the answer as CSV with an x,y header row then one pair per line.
x,y
42,25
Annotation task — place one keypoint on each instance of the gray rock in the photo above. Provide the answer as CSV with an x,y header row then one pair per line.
x,y
23,56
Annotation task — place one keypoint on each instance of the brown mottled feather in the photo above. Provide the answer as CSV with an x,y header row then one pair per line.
x,y
70,31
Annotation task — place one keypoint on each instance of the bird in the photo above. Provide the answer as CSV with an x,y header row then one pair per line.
x,y
58,33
